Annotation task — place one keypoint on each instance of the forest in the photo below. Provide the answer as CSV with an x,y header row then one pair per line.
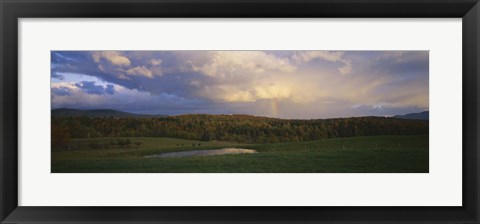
x,y
234,128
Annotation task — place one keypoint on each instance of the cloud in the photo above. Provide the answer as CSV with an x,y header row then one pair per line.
x,y
406,62
61,91
114,57
155,62
306,56
227,64
90,88
252,93
140,71
346,69
120,66
337,56
57,76
110,89
127,100
63,57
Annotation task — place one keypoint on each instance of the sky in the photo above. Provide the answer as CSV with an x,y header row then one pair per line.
x,y
281,84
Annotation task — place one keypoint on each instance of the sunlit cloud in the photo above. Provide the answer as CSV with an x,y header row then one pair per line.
x,y
141,71
231,64
113,57
336,56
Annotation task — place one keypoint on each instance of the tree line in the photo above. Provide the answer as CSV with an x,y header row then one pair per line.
x,y
237,128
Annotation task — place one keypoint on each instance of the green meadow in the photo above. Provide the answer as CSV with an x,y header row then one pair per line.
x,y
366,154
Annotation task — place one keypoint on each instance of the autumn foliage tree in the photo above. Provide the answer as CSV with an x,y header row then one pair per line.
x,y
60,136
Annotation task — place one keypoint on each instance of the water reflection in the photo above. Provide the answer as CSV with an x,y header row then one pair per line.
x,y
212,152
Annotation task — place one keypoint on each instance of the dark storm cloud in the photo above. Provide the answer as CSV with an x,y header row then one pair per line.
x,y
57,76
61,91
92,88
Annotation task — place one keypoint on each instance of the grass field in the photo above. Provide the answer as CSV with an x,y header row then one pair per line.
x,y
372,154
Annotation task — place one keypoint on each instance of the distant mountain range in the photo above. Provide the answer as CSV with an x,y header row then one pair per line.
x,y
414,116
66,112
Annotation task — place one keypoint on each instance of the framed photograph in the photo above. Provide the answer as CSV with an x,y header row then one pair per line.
x,y
247,112
222,111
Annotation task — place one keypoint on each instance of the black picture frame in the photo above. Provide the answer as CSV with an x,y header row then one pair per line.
x,y
12,10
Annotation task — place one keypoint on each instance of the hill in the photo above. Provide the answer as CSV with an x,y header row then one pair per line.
x,y
414,116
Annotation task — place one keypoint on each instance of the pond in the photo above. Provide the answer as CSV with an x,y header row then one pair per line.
x,y
212,152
